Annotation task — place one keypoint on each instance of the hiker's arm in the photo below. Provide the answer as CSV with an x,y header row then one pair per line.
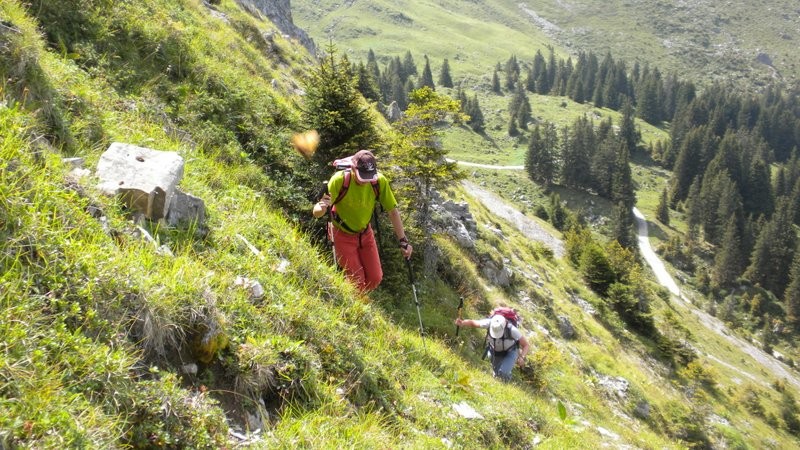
x,y
399,231
321,206
467,323
524,347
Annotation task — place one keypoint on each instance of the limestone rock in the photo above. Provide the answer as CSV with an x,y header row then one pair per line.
x,y
186,209
146,179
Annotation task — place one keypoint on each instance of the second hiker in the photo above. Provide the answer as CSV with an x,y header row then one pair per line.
x,y
351,205
507,344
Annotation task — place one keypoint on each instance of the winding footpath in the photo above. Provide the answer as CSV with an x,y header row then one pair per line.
x,y
778,369
533,230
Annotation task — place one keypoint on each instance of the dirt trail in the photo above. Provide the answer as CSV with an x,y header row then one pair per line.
x,y
523,223
778,369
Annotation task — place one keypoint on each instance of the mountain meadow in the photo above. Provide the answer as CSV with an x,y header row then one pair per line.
x,y
519,140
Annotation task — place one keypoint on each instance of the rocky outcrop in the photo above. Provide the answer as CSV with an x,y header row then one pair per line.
x,y
280,13
147,182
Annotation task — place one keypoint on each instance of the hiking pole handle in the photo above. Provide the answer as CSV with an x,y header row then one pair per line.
x,y
460,307
410,271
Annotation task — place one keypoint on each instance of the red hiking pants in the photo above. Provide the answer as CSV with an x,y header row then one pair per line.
x,y
357,254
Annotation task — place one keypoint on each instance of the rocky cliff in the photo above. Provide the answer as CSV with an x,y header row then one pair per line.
x,y
280,13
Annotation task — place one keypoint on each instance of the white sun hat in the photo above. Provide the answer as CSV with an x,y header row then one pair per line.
x,y
497,327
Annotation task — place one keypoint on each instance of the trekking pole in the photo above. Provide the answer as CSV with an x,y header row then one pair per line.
x,y
416,301
460,306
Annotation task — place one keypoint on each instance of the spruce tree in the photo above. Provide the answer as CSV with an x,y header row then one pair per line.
x,y
622,225
476,120
627,129
791,297
728,259
444,76
335,108
520,108
409,67
426,79
539,74
622,190
367,84
774,251
662,210
540,160
496,83
372,66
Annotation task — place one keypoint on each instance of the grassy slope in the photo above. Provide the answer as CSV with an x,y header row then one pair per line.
x,y
706,40
85,316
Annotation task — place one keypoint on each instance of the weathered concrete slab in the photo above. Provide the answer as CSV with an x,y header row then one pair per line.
x,y
146,179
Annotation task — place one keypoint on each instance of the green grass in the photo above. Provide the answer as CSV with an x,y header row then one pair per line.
x,y
705,41
95,325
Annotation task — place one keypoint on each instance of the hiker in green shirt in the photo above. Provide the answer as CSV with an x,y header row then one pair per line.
x,y
354,245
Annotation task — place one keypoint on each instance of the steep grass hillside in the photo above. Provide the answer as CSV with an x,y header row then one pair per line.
x,y
706,41
112,340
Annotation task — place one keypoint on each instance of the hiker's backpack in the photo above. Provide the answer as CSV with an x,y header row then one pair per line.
x,y
513,319
509,313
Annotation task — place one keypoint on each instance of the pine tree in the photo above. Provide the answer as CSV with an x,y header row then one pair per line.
x,y
662,210
334,107
622,225
426,79
728,259
408,66
540,161
496,83
444,75
791,297
774,251
476,120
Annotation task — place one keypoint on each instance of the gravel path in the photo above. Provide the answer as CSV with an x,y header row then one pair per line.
x,y
767,361
527,226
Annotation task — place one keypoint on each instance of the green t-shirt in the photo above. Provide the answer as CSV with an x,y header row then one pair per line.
x,y
355,208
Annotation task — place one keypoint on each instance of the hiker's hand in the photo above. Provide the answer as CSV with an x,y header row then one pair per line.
x,y
407,251
521,361
325,201
405,247
321,206
458,322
